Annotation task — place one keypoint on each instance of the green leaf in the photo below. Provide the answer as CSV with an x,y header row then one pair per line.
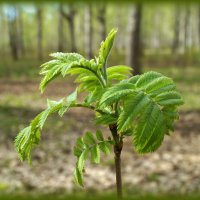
x,y
160,84
118,72
123,69
72,97
99,135
115,93
67,103
106,119
78,177
88,74
94,96
134,79
68,60
89,144
95,154
77,151
29,137
128,132
79,143
79,147
81,160
55,106
147,78
156,137
105,48
148,126
89,139
35,122
105,147
25,141
68,57
132,107
61,64
49,76
147,105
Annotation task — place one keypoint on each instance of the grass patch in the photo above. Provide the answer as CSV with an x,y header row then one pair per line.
x,y
88,196
20,68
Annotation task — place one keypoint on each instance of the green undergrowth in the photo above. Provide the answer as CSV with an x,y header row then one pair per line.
x,y
19,69
28,67
95,196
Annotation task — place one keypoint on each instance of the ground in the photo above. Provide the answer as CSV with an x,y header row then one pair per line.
x,y
174,168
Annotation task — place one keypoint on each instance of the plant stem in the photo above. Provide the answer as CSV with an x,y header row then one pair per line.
x,y
89,107
117,151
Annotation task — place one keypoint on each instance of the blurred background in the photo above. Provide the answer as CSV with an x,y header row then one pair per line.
x,y
164,37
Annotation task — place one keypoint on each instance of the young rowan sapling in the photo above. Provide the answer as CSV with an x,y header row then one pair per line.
x,y
143,107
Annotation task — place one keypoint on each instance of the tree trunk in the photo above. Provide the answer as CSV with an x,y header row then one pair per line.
x,y
70,19
60,30
88,31
12,31
117,151
20,32
102,21
176,36
135,42
72,33
2,29
40,33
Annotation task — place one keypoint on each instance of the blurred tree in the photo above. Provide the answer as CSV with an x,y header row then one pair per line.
x,y
20,31
3,32
187,28
12,15
176,35
40,32
60,29
1,22
135,41
199,25
156,28
102,20
119,23
69,16
88,31
167,28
